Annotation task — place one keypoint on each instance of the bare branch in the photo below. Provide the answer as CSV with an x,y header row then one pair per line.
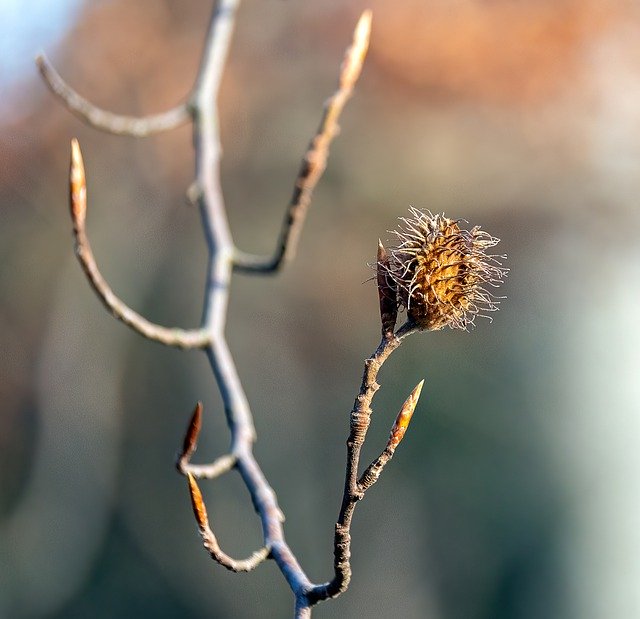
x,y
206,139
107,121
210,541
315,159
359,425
180,338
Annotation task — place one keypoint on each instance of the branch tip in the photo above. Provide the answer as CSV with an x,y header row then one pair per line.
x,y
199,510
354,58
191,437
77,185
404,417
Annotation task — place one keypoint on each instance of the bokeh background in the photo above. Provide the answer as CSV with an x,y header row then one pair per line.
x,y
515,494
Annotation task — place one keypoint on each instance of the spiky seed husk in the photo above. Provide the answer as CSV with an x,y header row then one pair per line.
x,y
442,271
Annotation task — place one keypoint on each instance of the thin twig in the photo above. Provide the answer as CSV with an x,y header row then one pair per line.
x,y
359,424
314,161
210,541
180,338
222,258
107,121
206,138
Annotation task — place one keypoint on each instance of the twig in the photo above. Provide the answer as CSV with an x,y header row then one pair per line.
x,y
180,338
210,541
106,121
314,161
222,259
353,491
206,140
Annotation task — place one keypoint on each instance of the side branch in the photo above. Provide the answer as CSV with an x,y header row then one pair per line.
x,y
354,488
107,121
180,338
210,541
315,159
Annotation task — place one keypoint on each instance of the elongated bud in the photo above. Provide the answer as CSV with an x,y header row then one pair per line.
x,y
387,292
199,510
191,437
404,417
77,186
354,57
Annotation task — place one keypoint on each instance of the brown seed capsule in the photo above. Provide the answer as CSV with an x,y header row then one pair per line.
x,y
441,271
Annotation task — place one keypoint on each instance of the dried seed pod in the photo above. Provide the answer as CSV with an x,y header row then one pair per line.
x,y
441,271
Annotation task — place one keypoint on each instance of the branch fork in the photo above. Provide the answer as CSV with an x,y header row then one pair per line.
x,y
223,258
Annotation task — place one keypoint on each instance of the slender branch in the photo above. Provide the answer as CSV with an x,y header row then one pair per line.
x,y
314,161
180,338
107,121
222,258
210,541
206,139
360,420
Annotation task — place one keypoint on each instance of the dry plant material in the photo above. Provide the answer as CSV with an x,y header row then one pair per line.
x,y
437,272
442,271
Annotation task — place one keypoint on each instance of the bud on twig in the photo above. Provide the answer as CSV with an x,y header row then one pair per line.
x,y
199,510
190,443
77,186
404,417
373,471
354,58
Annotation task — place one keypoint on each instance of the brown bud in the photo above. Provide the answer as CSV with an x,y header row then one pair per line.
x,y
199,510
191,437
354,58
404,417
77,186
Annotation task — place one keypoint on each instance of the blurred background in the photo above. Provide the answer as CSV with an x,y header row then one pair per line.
x,y
515,494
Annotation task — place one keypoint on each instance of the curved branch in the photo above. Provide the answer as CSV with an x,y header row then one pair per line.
x,y
314,161
210,541
218,467
107,121
180,338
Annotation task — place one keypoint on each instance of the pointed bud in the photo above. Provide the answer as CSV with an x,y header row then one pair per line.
x,y
386,292
404,417
77,186
354,58
199,510
191,437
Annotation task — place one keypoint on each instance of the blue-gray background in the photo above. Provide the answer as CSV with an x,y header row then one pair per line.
x,y
514,495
